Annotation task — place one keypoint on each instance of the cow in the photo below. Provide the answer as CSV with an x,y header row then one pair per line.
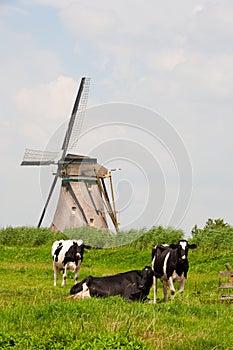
x,y
171,263
132,285
67,255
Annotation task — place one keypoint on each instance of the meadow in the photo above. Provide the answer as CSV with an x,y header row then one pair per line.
x,y
36,315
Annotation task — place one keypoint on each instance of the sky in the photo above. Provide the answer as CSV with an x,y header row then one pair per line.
x,y
159,107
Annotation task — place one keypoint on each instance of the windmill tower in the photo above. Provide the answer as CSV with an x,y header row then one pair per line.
x,y
83,199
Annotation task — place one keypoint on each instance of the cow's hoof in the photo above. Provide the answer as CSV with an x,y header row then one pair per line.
x,y
149,301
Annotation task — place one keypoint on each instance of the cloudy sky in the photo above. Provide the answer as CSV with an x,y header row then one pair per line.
x,y
160,104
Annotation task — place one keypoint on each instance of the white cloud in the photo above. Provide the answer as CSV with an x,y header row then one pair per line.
x,y
53,3
45,107
24,63
197,9
167,60
8,10
50,99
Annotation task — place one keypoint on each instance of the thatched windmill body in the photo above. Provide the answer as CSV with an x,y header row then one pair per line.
x,y
83,199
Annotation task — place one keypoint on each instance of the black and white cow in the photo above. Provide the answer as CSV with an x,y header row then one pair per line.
x,y
132,285
67,255
171,263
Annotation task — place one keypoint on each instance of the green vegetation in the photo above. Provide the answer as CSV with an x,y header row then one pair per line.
x,y
138,239
215,235
36,315
28,236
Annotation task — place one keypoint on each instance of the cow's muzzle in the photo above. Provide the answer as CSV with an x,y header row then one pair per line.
x,y
183,259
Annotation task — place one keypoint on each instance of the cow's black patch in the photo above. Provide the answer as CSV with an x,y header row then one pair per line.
x,y
57,251
71,254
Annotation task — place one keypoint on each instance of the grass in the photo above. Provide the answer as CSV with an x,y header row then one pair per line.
x,y
36,315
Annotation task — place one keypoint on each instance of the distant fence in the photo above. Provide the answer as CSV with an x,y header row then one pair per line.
x,y
227,275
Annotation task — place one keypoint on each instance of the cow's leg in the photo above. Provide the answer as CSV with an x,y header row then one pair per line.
x,y
85,293
171,286
165,288
182,284
64,276
55,274
76,274
155,289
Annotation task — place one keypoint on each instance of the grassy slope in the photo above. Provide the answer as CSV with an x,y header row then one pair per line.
x,y
34,314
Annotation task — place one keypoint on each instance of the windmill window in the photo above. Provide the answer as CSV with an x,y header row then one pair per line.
x,y
73,209
91,222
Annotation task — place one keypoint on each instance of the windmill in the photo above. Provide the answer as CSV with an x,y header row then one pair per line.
x,y
83,199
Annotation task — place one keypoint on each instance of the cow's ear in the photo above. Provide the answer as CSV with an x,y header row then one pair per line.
x,y
173,246
192,246
153,252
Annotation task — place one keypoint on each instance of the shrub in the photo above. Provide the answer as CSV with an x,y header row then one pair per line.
x,y
158,235
32,237
28,236
91,236
215,235
135,238
103,238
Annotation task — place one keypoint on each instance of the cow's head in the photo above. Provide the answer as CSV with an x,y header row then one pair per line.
x,y
78,249
147,278
182,248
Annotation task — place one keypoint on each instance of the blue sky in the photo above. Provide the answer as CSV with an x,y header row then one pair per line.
x,y
170,58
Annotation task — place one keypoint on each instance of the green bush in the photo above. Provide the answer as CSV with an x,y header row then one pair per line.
x,y
135,238
158,235
33,237
215,235
103,238
91,236
28,236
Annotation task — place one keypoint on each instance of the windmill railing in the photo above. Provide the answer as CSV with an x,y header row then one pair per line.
x,y
91,180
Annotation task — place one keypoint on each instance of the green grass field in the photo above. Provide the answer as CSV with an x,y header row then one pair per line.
x,y
36,315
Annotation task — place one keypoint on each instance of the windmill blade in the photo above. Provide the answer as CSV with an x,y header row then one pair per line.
x,y
48,199
77,116
77,127
36,157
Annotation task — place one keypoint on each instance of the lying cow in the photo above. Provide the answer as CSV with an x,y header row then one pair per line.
x,y
132,285
67,255
171,263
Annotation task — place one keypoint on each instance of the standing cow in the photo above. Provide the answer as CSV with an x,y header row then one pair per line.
x,y
67,255
171,263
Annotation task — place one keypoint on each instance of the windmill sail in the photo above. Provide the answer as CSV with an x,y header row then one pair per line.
x,y
36,157
84,86
78,122
48,199
77,116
